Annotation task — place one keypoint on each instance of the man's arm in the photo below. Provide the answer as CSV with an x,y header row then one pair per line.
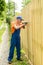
x,y
20,26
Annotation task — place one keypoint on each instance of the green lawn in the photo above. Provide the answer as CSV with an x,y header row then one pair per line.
x,y
24,62
1,33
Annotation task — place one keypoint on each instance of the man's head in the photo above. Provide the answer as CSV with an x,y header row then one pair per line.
x,y
19,19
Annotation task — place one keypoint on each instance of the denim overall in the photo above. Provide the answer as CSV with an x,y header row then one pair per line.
x,y
15,42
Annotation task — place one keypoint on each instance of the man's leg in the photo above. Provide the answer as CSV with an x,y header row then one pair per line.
x,y
11,53
18,48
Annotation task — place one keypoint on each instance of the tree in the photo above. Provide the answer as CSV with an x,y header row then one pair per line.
x,y
11,8
25,2
2,8
10,11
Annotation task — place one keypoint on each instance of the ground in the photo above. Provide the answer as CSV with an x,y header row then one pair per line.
x,y
4,51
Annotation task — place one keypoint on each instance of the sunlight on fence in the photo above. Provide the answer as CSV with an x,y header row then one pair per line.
x,y
32,35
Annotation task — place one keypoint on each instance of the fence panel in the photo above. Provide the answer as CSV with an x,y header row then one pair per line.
x,y
33,13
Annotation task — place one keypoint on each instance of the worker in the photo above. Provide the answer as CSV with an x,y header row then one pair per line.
x,y
15,39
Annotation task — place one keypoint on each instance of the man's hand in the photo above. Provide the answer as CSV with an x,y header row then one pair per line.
x,y
25,23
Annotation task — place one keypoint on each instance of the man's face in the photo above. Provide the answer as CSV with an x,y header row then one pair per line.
x,y
19,21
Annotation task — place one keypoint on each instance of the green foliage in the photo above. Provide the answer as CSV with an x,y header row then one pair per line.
x,y
10,9
0,22
2,5
8,20
2,8
25,2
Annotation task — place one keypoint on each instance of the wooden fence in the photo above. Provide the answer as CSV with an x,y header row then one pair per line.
x,y
32,35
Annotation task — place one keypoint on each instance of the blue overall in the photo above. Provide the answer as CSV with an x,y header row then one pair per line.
x,y
15,41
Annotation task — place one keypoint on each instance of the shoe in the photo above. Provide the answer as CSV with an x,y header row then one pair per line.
x,y
9,62
19,59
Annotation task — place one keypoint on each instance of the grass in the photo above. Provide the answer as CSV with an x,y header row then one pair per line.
x,y
24,62
1,33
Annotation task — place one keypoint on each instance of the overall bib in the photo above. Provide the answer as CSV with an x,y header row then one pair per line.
x,y
15,42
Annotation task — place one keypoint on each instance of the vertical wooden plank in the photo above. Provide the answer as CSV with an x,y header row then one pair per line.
x,y
42,28
37,33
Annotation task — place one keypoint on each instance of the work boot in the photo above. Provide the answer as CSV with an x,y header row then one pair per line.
x,y
9,62
20,59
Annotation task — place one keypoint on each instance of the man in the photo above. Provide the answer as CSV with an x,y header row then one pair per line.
x,y
15,39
